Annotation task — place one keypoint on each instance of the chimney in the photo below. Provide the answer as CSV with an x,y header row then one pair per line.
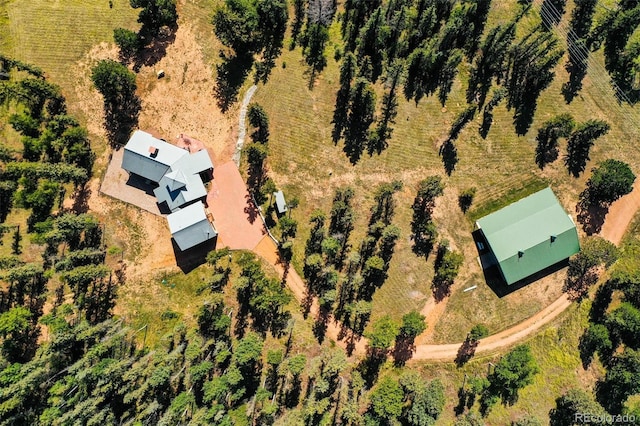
x,y
153,151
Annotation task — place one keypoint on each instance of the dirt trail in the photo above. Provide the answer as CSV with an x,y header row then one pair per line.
x,y
620,215
448,352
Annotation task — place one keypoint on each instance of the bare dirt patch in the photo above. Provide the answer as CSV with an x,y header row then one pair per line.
x,y
620,215
182,101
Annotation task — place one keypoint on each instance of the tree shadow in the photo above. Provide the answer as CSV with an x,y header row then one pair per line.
x,y
449,154
466,351
190,259
487,121
601,303
549,14
121,119
306,304
576,67
230,76
578,289
250,209
577,71
523,116
403,351
370,366
81,199
154,48
441,289
546,155
321,323
591,217
466,399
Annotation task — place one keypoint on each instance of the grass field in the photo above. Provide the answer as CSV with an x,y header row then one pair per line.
x,y
54,35
168,298
306,164
560,369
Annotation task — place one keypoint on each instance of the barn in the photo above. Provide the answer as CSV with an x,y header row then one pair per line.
x,y
529,235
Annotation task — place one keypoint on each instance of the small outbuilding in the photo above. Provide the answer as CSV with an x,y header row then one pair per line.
x,y
281,204
529,235
190,226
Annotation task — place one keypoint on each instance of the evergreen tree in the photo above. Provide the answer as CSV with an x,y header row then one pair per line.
x,y
580,142
576,66
348,71
608,182
361,115
372,41
532,62
379,139
260,121
121,104
490,62
548,135
422,227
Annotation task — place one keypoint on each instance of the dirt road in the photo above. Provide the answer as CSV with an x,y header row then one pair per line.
x,y
620,215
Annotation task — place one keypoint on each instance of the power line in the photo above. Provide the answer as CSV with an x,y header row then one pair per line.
x,y
596,72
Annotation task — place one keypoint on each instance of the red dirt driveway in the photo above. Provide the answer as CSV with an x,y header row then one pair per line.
x,y
238,223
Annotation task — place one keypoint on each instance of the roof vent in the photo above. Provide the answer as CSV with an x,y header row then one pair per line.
x,y
553,238
520,253
153,151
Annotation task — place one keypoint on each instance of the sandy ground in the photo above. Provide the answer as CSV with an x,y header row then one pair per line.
x,y
620,215
182,101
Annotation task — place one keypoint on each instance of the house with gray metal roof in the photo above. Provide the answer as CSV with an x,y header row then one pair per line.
x,y
150,157
529,235
190,226
179,174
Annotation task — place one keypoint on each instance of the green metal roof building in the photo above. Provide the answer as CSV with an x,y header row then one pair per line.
x,y
530,235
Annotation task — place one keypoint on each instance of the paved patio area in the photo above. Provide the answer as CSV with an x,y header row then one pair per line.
x,y
131,189
237,221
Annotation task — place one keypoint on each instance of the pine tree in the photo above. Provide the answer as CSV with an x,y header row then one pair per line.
x,y
580,142
379,139
340,114
361,115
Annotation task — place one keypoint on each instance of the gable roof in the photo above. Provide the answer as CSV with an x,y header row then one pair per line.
x,y
530,235
141,143
181,190
189,226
